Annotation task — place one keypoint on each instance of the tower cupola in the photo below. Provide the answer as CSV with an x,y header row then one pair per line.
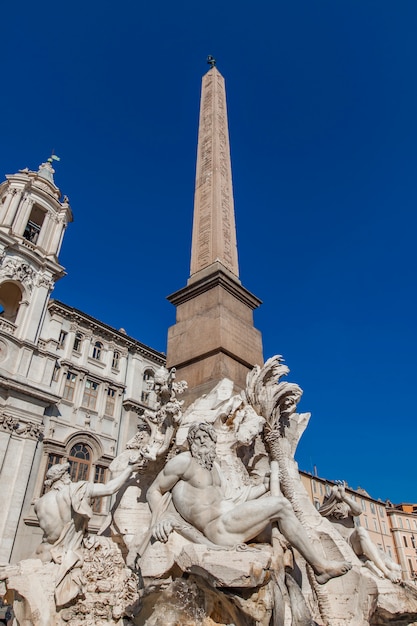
x,y
33,219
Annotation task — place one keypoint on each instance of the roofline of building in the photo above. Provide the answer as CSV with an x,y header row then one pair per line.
x,y
160,356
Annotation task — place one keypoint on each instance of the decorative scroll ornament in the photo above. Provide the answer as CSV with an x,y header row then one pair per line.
x,y
16,268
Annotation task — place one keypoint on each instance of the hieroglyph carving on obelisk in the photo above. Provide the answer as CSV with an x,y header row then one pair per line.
x,y
214,231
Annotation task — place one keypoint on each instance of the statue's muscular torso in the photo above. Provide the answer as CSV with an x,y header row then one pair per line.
x,y
197,495
54,512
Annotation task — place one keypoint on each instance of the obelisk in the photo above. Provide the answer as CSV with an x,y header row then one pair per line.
x,y
214,336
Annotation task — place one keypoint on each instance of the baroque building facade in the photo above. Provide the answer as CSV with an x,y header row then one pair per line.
x,y
71,387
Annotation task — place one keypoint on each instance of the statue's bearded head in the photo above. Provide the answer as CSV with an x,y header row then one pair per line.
x,y
202,441
57,472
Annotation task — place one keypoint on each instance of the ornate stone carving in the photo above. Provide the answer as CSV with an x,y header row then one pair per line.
x,y
155,429
341,509
43,280
215,523
23,429
8,423
16,268
86,573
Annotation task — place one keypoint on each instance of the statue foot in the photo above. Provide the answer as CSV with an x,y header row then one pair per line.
x,y
333,569
394,577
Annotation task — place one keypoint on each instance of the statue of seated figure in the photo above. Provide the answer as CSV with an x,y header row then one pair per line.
x,y
63,513
340,509
193,481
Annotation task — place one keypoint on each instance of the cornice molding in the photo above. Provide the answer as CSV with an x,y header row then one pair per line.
x,y
216,279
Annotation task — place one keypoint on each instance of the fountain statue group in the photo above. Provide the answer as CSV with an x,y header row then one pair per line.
x,y
210,525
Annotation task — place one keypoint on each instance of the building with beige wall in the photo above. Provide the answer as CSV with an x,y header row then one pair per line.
x,y
403,525
393,528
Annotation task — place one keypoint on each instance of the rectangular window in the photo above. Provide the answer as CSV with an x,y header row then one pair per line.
x,y
62,337
90,394
375,525
115,360
372,505
405,541
366,522
381,511
314,487
317,504
400,522
77,342
408,523
79,470
363,505
145,397
69,387
384,528
53,459
100,475
110,401
321,489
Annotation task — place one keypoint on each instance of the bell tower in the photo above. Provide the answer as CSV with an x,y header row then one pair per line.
x,y
214,336
33,219
32,224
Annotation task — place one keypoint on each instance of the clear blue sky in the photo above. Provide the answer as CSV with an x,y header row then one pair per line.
x,y
322,99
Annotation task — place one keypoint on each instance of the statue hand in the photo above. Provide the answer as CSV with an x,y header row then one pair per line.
x,y
162,530
342,491
136,463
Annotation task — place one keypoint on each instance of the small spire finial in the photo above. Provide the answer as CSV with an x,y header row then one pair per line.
x,y
211,61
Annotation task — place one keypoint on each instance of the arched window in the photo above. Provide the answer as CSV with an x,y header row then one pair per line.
x,y
34,225
148,380
84,460
148,376
98,347
80,462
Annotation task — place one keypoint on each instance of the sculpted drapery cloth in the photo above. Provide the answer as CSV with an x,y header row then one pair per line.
x,y
67,551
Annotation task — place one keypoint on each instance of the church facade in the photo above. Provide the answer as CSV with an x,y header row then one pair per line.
x,y
71,387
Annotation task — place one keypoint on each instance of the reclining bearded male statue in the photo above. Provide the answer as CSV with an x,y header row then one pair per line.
x,y
199,496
